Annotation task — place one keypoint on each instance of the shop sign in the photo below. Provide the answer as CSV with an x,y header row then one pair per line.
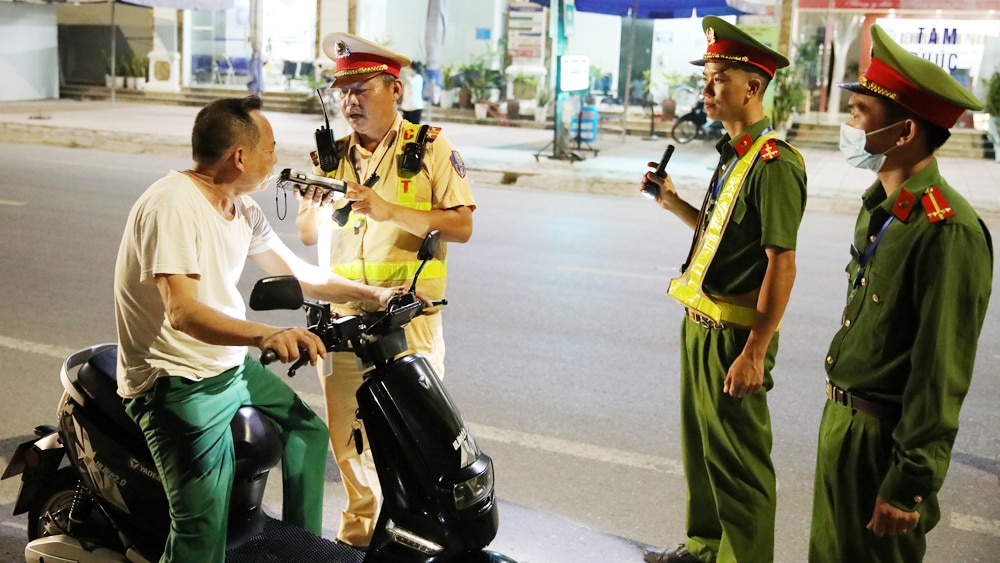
x,y
950,44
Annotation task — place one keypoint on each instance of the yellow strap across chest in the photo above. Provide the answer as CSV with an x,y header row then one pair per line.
x,y
687,288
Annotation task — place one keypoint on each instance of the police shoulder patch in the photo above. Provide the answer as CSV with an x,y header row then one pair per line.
x,y
936,206
770,150
457,163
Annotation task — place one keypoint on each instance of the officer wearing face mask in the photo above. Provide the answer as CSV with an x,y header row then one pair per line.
x,y
919,283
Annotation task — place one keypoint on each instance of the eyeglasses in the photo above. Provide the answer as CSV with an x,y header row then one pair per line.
x,y
362,88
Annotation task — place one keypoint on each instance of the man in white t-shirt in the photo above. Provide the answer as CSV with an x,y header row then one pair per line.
x,y
183,338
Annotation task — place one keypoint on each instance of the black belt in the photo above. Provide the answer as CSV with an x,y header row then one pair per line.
x,y
867,406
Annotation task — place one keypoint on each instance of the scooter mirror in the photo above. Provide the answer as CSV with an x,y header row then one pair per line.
x,y
429,247
277,292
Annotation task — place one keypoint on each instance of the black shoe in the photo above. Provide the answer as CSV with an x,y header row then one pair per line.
x,y
678,554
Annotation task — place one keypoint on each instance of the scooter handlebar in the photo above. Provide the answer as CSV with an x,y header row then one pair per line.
x,y
268,357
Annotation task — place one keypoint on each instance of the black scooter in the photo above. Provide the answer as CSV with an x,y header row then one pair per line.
x,y
107,504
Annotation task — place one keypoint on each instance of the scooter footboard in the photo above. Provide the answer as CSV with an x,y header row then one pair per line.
x,y
279,541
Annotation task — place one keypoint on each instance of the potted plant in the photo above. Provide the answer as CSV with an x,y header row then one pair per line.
x,y
115,70
525,86
139,67
448,90
669,105
542,100
992,107
788,95
477,80
125,68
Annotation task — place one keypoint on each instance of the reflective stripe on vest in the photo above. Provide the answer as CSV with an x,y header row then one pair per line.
x,y
687,288
390,271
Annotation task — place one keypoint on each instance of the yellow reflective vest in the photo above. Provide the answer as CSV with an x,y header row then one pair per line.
x,y
380,253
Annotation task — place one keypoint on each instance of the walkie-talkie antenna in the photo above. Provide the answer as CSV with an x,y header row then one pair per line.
x,y
322,103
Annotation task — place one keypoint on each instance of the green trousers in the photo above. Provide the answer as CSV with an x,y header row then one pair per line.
x,y
726,442
186,425
852,459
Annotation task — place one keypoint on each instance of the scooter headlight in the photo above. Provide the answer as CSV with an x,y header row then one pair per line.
x,y
472,491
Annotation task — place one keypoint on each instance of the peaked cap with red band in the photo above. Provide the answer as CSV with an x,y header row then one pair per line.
x,y
358,59
915,83
726,42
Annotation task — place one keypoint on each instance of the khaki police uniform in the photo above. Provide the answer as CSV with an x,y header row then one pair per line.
x,y
902,361
381,254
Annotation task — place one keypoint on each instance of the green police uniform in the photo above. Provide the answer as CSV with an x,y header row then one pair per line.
x,y
726,441
901,363
731,490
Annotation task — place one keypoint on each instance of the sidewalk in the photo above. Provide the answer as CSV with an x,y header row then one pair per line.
x,y
493,154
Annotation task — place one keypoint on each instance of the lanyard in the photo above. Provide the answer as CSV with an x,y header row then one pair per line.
x,y
718,182
354,166
870,251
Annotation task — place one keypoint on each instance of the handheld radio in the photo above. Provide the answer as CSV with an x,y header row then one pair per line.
x,y
650,189
326,145
413,153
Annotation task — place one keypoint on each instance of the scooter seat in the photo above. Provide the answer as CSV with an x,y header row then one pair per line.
x,y
98,381
257,444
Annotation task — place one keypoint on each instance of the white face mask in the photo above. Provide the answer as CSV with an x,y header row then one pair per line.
x,y
852,146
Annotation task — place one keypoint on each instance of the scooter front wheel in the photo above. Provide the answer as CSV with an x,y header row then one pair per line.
x,y
684,131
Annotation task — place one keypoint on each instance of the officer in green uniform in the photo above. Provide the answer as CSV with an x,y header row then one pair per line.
x,y
918,285
735,286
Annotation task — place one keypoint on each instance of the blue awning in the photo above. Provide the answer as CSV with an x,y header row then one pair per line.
x,y
666,9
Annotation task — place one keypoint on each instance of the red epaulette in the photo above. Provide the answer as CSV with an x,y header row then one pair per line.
x,y
770,150
904,204
432,133
936,206
743,145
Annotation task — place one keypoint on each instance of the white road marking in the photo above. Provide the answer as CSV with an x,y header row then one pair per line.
x,y
576,449
13,203
553,445
613,273
975,524
16,525
590,452
35,347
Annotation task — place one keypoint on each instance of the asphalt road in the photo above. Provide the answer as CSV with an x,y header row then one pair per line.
x,y
562,354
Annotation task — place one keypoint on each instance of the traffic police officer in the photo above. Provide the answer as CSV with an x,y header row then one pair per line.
x,y
919,282
394,205
734,287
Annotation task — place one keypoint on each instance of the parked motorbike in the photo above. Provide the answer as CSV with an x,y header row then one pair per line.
x,y
107,504
695,124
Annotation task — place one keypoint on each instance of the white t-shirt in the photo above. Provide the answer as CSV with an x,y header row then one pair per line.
x,y
413,93
174,229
